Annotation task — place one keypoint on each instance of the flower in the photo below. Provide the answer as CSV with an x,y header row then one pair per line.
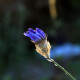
x,y
35,35
39,38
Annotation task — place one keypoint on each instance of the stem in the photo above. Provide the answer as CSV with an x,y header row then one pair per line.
x,y
66,72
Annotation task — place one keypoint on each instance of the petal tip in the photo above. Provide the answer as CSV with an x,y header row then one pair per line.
x,y
26,34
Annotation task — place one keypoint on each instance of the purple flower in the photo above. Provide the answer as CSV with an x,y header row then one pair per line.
x,y
35,35
39,38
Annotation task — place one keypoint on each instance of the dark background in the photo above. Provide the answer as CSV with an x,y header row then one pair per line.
x,y
18,58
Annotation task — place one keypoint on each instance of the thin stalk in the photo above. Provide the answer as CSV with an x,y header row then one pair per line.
x,y
59,66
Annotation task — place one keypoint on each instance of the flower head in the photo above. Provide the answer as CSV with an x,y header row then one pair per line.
x,y
35,35
39,38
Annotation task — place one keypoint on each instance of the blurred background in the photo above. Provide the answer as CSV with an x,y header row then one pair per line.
x,y
59,19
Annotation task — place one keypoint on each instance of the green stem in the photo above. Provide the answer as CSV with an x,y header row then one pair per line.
x,y
56,64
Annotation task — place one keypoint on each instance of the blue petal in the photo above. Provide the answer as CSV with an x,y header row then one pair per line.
x,y
41,32
26,34
31,30
37,33
33,39
36,37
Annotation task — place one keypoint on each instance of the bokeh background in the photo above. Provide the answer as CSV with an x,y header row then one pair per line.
x,y
59,19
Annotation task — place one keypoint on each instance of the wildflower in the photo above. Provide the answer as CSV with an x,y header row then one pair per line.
x,y
39,38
